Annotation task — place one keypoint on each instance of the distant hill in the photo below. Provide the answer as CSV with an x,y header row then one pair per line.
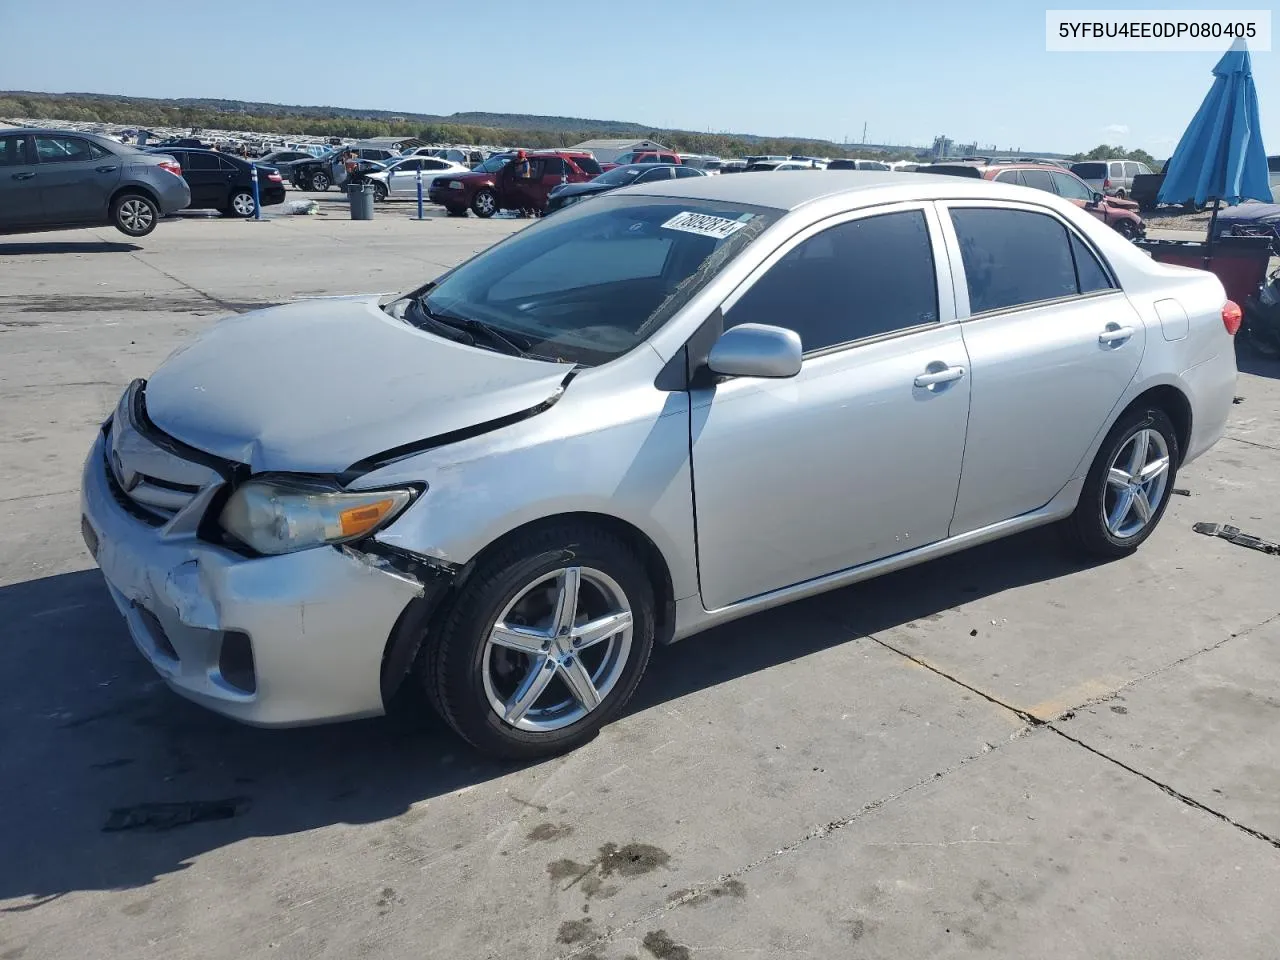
x,y
350,121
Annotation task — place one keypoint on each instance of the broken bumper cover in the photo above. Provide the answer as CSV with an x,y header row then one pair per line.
x,y
317,621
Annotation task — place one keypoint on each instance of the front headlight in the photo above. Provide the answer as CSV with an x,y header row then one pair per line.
x,y
282,516
455,185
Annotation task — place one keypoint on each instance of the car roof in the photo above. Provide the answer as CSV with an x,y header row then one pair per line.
x,y
860,187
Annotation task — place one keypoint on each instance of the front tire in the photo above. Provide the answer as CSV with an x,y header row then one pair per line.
x,y
545,643
134,214
485,204
379,191
1127,488
1126,229
320,181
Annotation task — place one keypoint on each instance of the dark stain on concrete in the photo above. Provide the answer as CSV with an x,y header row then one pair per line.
x,y
136,909
575,931
13,954
658,943
630,860
1119,709
549,831
387,899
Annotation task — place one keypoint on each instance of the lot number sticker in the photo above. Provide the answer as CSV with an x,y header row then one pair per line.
x,y
704,225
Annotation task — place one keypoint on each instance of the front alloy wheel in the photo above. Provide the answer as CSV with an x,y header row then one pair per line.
x,y
544,643
320,181
485,204
242,203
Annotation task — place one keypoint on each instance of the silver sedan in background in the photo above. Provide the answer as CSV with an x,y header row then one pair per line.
x,y
676,405
400,178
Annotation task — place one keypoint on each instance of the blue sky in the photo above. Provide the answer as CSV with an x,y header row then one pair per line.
x,y
818,68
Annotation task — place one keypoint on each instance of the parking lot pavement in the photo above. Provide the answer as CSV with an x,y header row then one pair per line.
x,y
998,753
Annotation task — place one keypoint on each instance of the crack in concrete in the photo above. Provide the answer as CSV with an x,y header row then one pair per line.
x,y
815,833
223,304
1176,794
1250,443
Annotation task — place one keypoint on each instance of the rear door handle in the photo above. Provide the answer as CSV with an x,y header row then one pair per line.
x,y
1114,334
945,375
23,176
107,169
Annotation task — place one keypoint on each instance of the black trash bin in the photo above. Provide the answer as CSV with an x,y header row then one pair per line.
x,y
361,197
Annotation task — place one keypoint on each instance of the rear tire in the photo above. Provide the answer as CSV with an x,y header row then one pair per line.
x,y
379,191
1118,509
134,214
240,204
320,181
476,683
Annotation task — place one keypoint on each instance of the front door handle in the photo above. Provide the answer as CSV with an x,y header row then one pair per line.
x,y
1115,334
107,169
23,176
934,377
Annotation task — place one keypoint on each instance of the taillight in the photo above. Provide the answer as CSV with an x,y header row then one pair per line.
x,y
1106,184
172,166
275,178
1231,317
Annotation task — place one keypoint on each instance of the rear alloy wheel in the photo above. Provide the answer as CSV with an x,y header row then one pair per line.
x,y
544,645
241,204
134,215
1127,489
320,181
485,204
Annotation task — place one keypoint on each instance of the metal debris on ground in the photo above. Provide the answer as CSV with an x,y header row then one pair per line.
x,y
166,816
1233,535
1181,491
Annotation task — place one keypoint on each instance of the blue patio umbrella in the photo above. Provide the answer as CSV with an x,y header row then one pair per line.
x,y
1220,156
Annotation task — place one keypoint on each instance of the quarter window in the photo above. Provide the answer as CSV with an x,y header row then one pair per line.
x,y
858,279
1013,257
1089,273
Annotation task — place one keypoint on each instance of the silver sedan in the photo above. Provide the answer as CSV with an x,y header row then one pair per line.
x,y
400,178
677,405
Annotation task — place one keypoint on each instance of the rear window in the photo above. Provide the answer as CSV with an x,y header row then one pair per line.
x,y
951,170
595,281
1090,171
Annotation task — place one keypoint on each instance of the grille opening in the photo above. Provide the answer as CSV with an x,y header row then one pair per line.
x,y
156,630
235,662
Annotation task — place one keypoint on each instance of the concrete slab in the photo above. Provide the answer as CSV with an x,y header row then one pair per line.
x,y
1023,622
1208,727
391,839
1038,849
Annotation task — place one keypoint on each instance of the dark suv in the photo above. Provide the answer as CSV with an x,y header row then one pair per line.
x,y
1120,215
513,186
52,179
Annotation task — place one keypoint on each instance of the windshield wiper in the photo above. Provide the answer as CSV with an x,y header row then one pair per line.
x,y
505,342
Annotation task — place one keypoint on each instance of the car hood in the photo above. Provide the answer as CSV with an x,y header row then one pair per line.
x,y
319,385
468,176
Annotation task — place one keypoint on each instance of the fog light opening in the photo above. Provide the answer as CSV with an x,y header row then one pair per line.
x,y
235,662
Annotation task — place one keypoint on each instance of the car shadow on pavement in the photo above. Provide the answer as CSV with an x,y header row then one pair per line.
x,y
50,247
104,772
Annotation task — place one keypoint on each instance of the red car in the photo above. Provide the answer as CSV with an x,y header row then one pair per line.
x,y
514,186
643,156
1120,215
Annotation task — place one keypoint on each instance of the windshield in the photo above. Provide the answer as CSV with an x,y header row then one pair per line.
x,y
598,279
620,175
492,165
1090,171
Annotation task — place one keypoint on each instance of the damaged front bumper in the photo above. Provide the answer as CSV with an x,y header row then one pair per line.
x,y
272,641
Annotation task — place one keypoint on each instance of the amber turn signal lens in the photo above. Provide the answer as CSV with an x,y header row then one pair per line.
x,y
362,519
1231,317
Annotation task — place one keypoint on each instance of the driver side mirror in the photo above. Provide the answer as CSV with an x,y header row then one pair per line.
x,y
757,350
1097,198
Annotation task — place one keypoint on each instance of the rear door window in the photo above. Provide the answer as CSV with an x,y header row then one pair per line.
x,y
1013,257
1008,176
1130,168
858,279
1117,170
62,149
202,163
